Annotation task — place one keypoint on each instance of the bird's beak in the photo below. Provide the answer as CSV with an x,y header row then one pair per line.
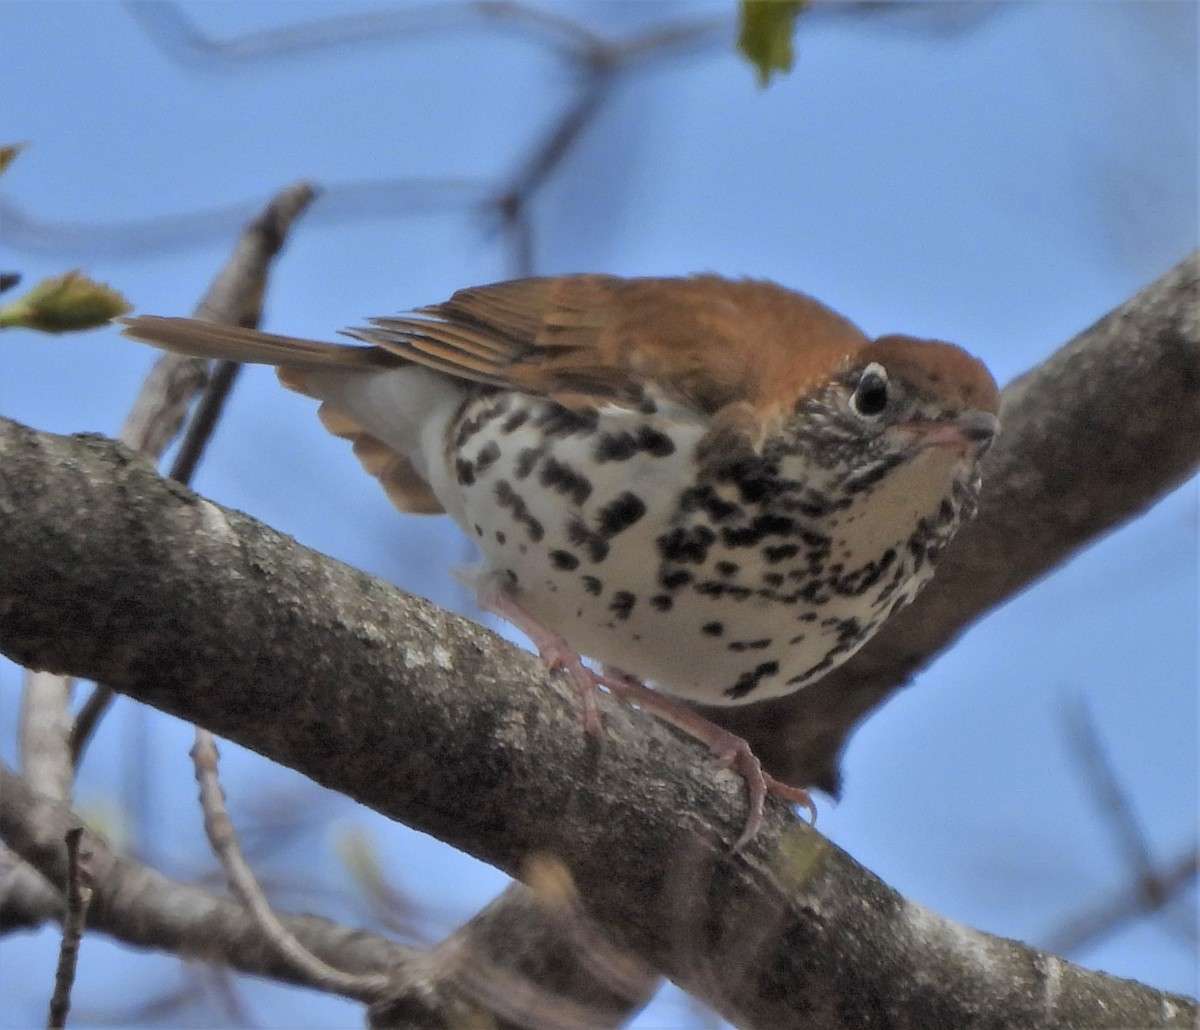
x,y
967,431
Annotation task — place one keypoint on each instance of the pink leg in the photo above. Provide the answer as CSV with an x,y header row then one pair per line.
x,y
555,652
730,749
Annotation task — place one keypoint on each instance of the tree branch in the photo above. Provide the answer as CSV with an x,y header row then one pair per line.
x,y
144,908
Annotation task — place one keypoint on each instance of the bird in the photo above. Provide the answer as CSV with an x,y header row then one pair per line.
x,y
716,490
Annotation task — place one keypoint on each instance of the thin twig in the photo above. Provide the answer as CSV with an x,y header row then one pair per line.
x,y
223,838
1153,884
204,422
1172,878
79,896
1113,801
90,714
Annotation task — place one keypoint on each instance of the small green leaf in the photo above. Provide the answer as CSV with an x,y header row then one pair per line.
x,y
8,154
64,303
765,35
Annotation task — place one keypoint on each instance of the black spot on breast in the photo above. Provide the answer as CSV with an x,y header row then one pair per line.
x,y
749,645
527,458
713,629
779,553
620,513
858,582
507,497
514,421
662,602
580,535
757,480
564,560
686,544
487,456
615,447
467,428
748,681
726,568
675,580
565,480
712,588
464,472
624,445
757,529
622,604
655,443
500,537
707,500
592,585
556,420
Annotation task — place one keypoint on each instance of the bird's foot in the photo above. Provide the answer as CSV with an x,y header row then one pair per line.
x,y
556,653
731,751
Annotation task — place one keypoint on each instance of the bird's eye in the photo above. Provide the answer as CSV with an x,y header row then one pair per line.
x,y
870,396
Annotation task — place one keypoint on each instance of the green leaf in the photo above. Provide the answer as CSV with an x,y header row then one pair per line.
x,y
63,304
765,35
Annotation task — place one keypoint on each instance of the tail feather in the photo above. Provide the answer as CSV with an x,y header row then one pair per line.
x,y
375,399
199,339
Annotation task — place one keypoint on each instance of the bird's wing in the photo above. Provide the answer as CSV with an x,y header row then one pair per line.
x,y
592,340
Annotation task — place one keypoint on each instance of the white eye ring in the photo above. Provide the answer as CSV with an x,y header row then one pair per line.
x,y
870,397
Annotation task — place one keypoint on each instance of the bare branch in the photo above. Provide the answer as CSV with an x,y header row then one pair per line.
x,y
1113,801
79,897
46,732
144,908
1151,887
1171,880
27,899
242,881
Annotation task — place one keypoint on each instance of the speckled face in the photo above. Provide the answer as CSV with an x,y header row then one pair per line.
x,y
739,584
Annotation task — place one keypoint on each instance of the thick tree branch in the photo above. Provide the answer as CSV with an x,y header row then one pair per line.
x,y
1089,438
111,572
234,296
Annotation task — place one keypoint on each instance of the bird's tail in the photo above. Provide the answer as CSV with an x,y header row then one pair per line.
x,y
377,400
200,339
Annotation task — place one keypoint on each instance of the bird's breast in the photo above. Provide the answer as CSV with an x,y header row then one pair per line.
x,y
721,589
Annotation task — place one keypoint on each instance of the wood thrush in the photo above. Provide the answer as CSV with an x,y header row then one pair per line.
x,y
722,488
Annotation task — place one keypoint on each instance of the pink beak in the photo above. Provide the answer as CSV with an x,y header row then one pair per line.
x,y
973,430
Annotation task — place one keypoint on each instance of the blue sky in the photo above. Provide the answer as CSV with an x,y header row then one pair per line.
x,y
997,175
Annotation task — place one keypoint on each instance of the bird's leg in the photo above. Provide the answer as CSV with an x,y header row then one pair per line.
x,y
730,749
555,652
